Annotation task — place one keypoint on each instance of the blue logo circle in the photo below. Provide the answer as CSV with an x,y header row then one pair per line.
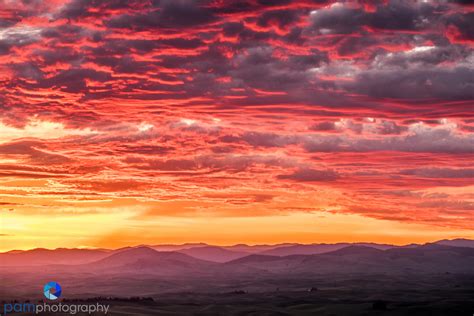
x,y
52,291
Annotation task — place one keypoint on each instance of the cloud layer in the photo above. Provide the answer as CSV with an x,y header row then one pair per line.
x,y
236,108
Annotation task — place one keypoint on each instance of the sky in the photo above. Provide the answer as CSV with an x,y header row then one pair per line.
x,y
247,121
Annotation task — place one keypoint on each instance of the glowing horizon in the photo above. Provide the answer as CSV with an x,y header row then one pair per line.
x,y
126,123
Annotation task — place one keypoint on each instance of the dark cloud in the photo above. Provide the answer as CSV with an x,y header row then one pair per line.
x,y
448,205
440,173
417,139
259,68
418,83
14,38
424,56
210,163
340,18
311,175
324,126
462,2
305,62
337,20
261,139
274,2
401,15
74,80
169,15
390,127
28,70
32,150
58,55
464,25
281,18
75,9
355,45
64,33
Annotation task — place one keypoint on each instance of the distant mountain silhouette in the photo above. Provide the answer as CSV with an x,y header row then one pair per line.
x,y
143,270
255,258
256,248
176,247
367,260
356,250
280,260
303,249
315,249
41,256
457,242
213,253
131,256
147,260
380,246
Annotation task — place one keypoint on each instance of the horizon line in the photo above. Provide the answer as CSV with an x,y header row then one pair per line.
x,y
204,244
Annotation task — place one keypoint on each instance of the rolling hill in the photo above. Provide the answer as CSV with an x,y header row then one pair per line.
x,y
213,253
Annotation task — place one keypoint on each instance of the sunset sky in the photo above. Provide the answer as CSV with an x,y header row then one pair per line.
x,y
249,121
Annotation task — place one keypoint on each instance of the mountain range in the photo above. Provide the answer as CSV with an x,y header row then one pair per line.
x,y
200,255
200,270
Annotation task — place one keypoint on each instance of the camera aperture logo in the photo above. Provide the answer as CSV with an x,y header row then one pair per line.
x,y
52,291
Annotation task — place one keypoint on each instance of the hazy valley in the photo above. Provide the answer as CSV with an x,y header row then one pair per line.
x,y
289,279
